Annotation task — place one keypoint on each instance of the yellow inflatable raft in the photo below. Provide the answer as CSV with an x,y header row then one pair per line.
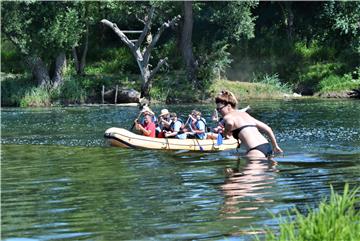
x,y
123,138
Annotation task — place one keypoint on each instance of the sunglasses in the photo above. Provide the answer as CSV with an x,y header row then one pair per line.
x,y
220,108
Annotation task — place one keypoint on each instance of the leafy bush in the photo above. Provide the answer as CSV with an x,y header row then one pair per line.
x,y
314,51
337,219
338,83
213,64
274,83
36,97
72,92
306,51
317,72
172,88
113,61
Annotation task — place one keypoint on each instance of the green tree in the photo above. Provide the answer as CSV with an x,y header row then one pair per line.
x,y
43,32
219,27
344,18
206,32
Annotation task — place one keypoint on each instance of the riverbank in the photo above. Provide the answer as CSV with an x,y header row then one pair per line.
x,y
21,91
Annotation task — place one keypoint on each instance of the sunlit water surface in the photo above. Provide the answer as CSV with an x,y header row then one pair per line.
x,y
61,181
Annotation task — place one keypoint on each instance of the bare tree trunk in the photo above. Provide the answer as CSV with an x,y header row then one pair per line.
x,y
146,84
60,64
186,42
142,56
76,59
80,64
39,70
84,53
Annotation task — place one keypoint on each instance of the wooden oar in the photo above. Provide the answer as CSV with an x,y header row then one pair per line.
x,y
133,125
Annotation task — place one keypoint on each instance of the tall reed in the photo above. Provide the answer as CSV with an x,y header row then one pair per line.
x,y
336,219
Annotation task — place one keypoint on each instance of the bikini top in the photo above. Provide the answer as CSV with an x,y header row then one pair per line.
x,y
236,132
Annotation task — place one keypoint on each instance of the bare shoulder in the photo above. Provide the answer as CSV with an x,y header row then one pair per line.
x,y
228,118
246,115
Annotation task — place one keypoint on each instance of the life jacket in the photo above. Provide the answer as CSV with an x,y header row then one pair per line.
x,y
182,127
207,129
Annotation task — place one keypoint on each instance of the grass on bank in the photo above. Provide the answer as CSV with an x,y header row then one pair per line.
x,y
20,90
266,87
173,89
170,88
336,219
335,83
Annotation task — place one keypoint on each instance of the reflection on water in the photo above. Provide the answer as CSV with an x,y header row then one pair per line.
x,y
248,185
60,180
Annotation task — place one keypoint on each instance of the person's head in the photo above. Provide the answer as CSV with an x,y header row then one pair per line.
x,y
173,116
225,101
146,113
193,113
146,110
197,115
147,118
164,113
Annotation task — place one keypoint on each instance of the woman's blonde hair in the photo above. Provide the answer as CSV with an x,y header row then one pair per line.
x,y
226,97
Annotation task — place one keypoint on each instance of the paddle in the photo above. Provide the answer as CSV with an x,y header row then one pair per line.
x,y
200,147
219,140
187,121
132,127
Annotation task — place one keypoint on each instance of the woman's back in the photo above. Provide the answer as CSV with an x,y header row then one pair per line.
x,y
244,127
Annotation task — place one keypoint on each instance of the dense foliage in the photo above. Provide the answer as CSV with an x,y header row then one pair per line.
x,y
310,47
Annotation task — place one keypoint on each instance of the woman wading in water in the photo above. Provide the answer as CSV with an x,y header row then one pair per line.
x,y
245,128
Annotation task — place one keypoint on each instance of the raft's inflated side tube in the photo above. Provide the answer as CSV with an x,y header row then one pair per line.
x,y
123,138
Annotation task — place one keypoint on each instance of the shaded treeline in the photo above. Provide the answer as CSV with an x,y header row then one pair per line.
x,y
64,49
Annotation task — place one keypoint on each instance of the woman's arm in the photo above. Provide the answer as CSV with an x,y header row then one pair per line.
x,y
268,131
229,123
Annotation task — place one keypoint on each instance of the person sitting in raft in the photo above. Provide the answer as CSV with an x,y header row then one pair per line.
x,y
245,128
163,124
148,128
198,125
147,111
176,128
190,125
219,129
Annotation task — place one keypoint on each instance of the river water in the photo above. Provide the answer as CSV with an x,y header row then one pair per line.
x,y
61,181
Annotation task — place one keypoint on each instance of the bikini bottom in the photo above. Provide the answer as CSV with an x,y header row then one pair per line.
x,y
264,148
